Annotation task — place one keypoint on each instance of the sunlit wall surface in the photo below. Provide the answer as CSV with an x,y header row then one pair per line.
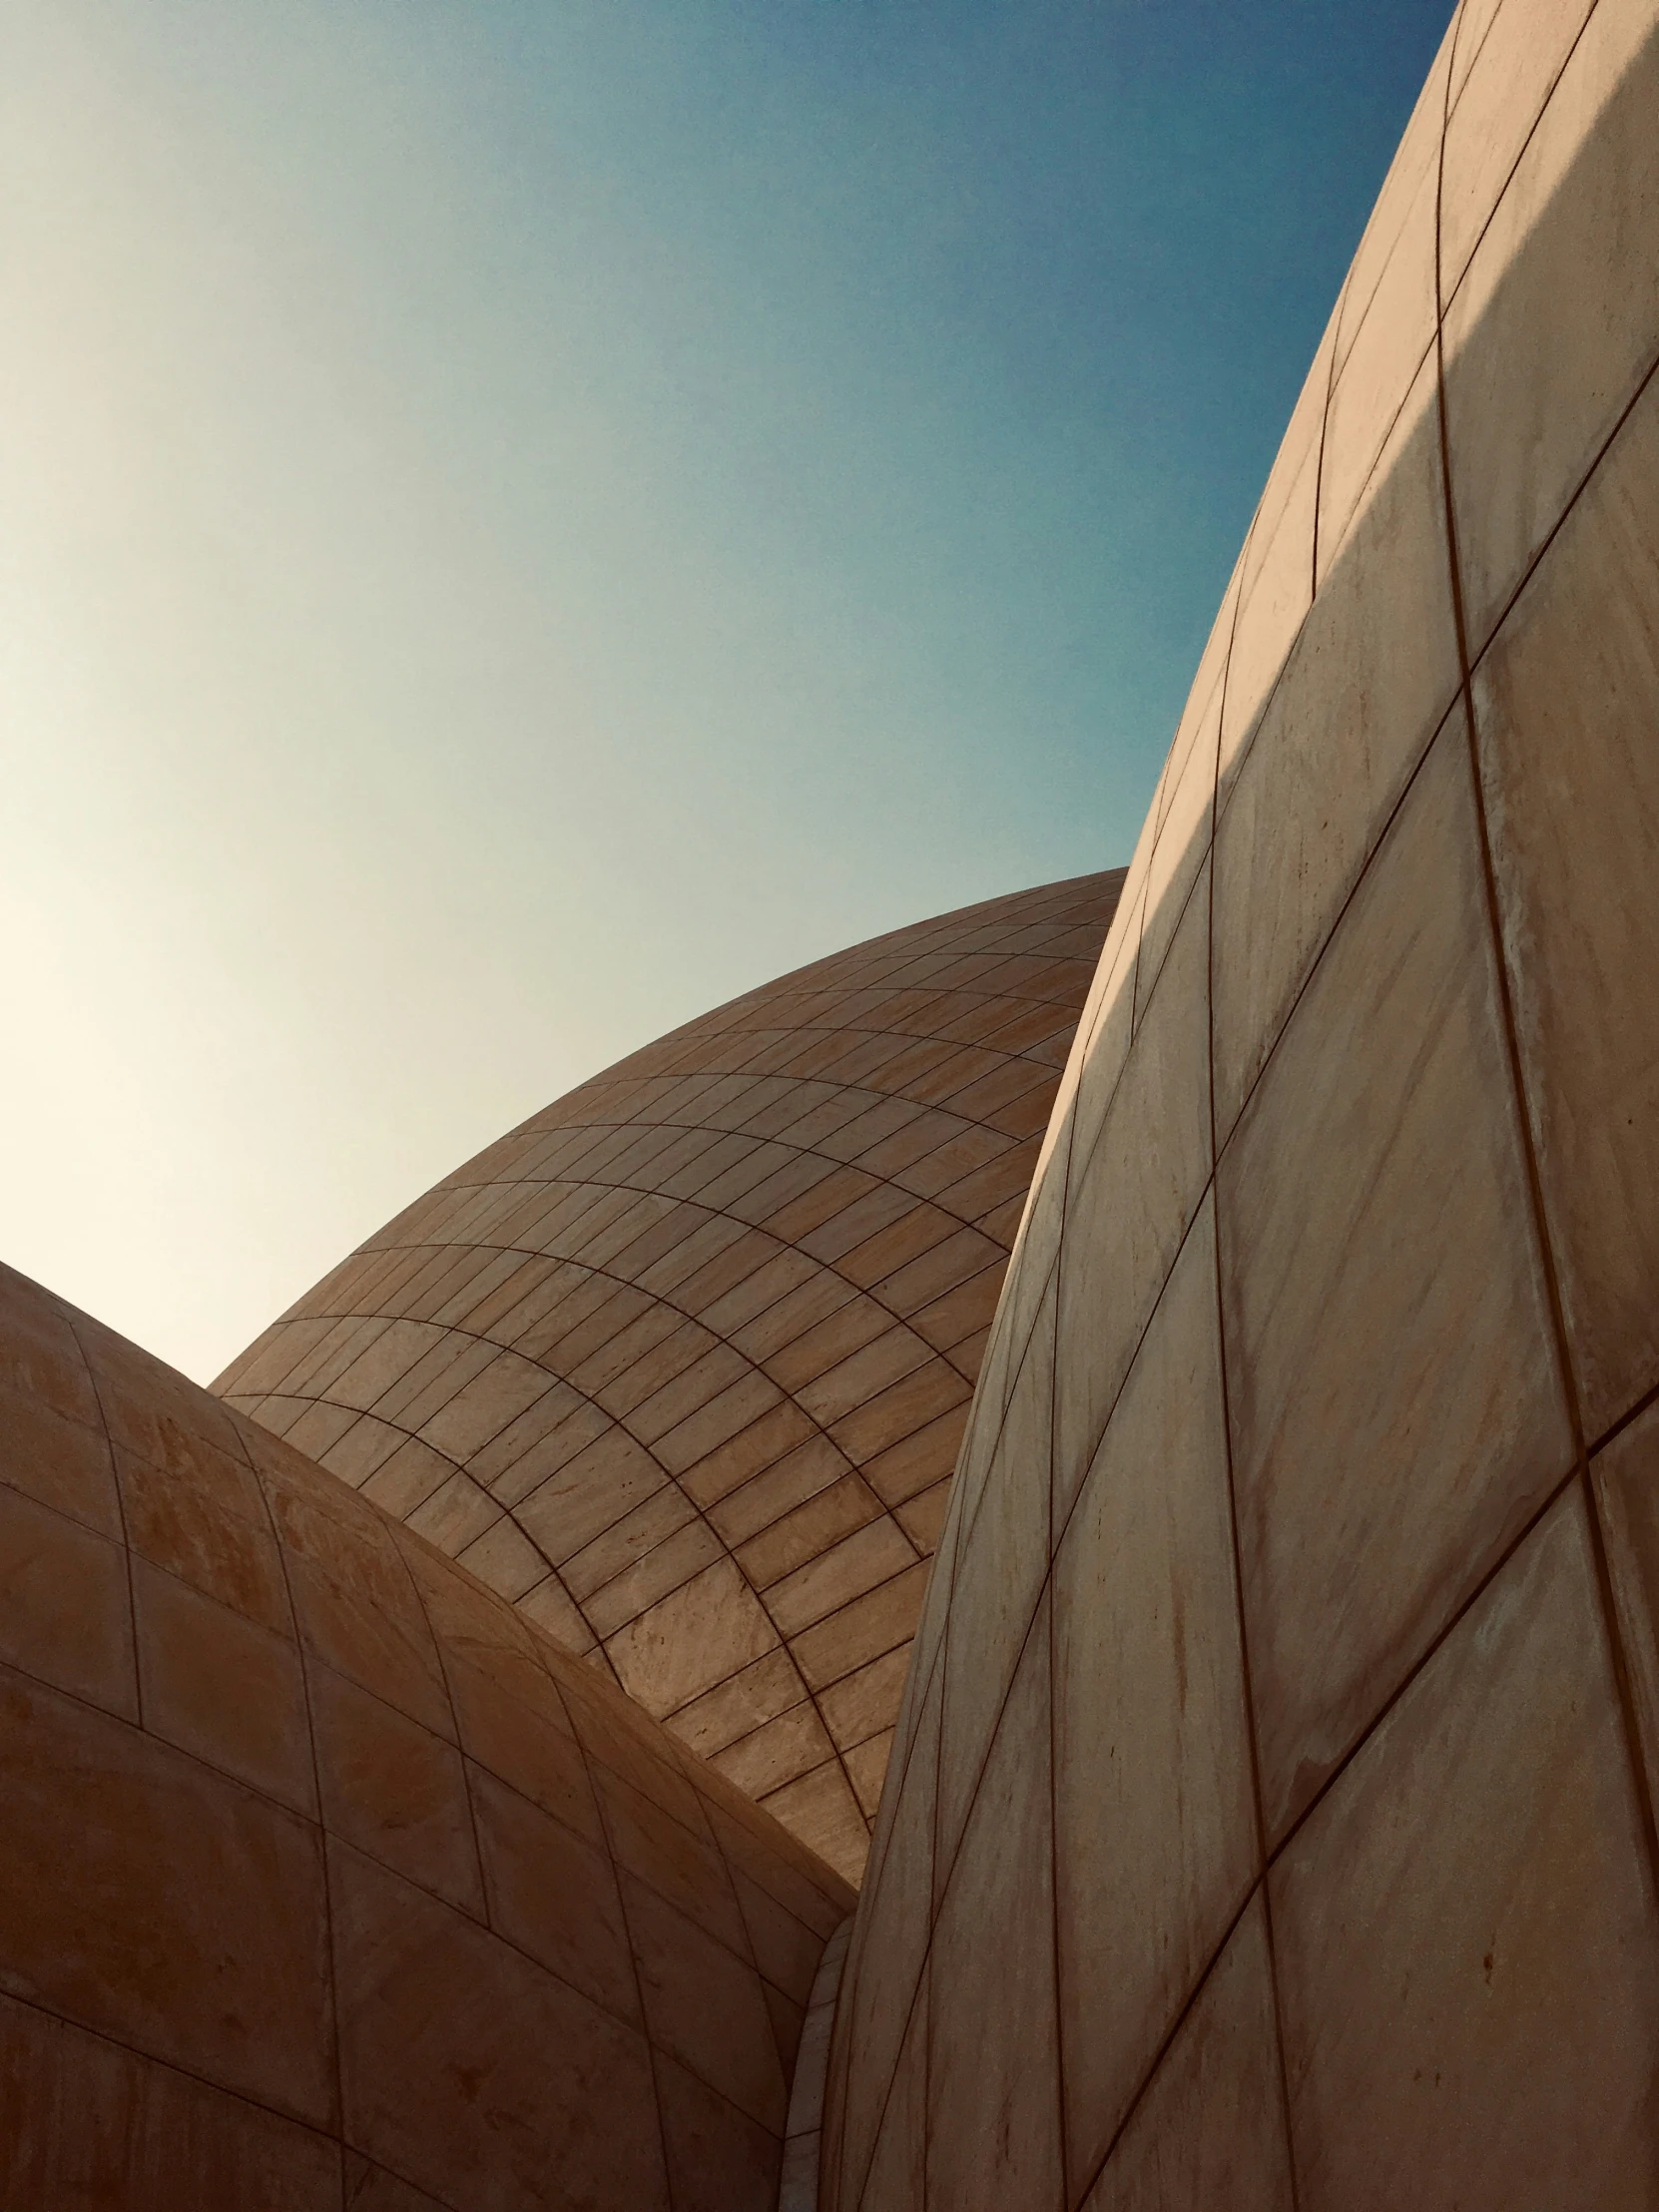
x,y
326,1879
681,1366
1271,1816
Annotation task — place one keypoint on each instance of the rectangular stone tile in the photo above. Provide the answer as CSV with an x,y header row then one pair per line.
x,y
64,1611
806,1357
809,1529
723,1418
455,1515
1272,580
704,2008
928,1390
1499,94
854,1382
746,1700
864,1631
650,1523
483,1406
1151,1732
863,1703
1003,1561
471,2067
1384,340
1557,318
356,1606
927,1455
787,1952
529,1745
1367,685
506,1559
922,1517
554,1895
219,1685
1209,2134
203,1520
684,1867
1132,1197
59,1460
781,1431
719,2158
1565,707
780,1751
87,2122
604,1480
1374,1211
993,2106
146,1896
701,1632
395,1473
883,1970
898,2168
846,1570
821,1810
396,1791
1465,1931
866,1770
661,1569
1183,840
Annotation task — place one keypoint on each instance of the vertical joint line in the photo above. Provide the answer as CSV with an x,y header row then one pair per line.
x,y
1618,1661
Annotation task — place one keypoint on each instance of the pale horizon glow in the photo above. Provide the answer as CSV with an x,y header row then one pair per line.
x,y
517,525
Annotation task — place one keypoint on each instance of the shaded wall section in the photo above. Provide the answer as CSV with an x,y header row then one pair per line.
x,y
1271,1820
681,1366
326,1879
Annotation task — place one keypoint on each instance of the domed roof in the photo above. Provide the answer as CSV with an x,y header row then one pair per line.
x,y
681,1365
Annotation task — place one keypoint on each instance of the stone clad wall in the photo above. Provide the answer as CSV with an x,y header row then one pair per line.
x,y
1270,1817
326,1879
681,1366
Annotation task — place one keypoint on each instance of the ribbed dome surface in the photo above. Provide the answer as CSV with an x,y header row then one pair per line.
x,y
682,1364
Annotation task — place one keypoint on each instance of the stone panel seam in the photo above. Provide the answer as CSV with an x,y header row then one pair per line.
x,y
1520,1104
68,1316
335,2037
1247,1681
1558,1491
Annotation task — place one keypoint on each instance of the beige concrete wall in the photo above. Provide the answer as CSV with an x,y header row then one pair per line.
x,y
326,1879
1271,1819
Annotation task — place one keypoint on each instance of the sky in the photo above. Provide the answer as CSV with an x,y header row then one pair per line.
x,y
519,522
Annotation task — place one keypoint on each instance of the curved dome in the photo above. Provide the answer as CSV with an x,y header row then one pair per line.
x,y
680,1366
324,1878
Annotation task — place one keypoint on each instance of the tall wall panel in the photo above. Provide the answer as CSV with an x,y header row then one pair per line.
x,y
1270,1818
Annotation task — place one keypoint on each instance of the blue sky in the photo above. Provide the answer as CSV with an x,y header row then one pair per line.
x,y
523,521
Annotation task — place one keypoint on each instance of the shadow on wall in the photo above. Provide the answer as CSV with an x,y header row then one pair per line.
x,y
1272,1794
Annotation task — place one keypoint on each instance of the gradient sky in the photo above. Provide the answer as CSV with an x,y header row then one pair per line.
x,y
518,522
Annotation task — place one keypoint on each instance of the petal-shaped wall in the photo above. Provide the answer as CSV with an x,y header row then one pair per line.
x,y
1270,1818
681,1366
327,1880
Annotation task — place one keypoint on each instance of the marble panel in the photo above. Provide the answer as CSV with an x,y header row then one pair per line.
x,y
1374,1210
1364,690
1155,1819
1557,320
1465,1927
1133,1197
1565,705
993,2100
1209,2132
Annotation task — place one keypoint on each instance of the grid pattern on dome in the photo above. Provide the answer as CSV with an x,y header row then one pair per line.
x,y
680,1366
